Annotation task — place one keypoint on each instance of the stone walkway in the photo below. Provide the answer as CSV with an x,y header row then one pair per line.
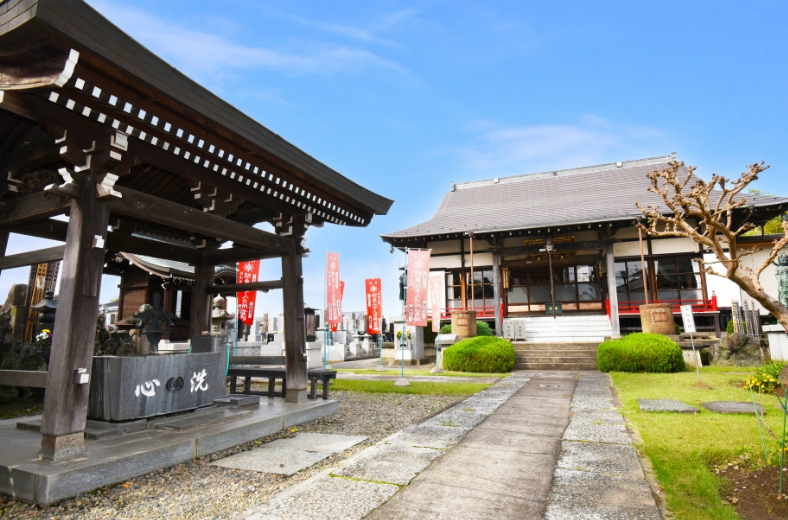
x,y
534,445
598,473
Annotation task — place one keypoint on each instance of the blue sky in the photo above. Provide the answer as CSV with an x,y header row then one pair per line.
x,y
405,97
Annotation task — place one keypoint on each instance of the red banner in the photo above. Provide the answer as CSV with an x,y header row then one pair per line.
x,y
374,306
418,274
333,290
335,326
247,273
436,285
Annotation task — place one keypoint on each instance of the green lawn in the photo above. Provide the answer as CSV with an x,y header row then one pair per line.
x,y
416,372
682,447
414,388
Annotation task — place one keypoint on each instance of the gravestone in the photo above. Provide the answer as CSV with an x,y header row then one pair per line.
x,y
666,405
731,407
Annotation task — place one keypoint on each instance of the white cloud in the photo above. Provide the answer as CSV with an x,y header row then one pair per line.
x,y
209,57
522,149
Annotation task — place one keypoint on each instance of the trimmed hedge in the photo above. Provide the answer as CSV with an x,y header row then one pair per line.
x,y
486,354
640,353
482,329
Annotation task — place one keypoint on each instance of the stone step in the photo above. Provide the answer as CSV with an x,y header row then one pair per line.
x,y
551,352
555,366
556,359
524,345
546,339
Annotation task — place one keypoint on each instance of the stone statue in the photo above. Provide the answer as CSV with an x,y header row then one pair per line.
x,y
781,272
15,356
150,318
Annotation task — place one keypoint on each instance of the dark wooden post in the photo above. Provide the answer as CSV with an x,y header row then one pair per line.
x,y
3,243
66,401
200,319
612,293
497,293
295,331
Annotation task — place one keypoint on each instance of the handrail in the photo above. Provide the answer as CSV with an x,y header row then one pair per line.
x,y
633,306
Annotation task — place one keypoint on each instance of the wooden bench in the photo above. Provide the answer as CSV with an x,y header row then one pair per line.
x,y
324,376
274,373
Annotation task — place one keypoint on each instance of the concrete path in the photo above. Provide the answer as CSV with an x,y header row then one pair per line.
x,y
598,474
503,468
533,445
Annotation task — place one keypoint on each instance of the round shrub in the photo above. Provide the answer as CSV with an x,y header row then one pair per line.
x,y
486,354
640,353
482,329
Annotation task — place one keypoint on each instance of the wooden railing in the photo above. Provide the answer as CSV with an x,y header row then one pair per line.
x,y
633,306
487,311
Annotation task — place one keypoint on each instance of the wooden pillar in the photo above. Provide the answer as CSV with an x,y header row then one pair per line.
x,y
497,293
612,294
200,318
295,330
3,243
66,401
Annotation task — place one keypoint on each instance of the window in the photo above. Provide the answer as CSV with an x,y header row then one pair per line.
x,y
482,294
674,279
529,287
454,290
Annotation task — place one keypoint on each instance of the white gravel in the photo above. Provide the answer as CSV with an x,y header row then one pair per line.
x,y
198,490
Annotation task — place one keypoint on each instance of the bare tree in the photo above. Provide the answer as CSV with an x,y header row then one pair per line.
x,y
704,212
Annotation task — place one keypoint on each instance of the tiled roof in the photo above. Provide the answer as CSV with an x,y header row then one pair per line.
x,y
163,267
602,193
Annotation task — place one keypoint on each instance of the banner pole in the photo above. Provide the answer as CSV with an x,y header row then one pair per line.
x,y
325,314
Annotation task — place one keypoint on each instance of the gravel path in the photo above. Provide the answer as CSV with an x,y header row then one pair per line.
x,y
197,490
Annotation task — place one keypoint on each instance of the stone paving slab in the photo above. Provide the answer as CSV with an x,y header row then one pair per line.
x,y
666,405
429,436
503,468
390,463
459,417
614,460
582,495
594,432
731,407
598,475
324,497
289,456
466,502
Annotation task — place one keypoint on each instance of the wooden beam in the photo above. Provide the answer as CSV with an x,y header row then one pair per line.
x,y
236,254
51,229
56,230
35,207
257,360
155,248
39,256
28,378
153,209
241,287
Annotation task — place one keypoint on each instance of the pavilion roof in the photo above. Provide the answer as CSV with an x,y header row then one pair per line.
x,y
594,194
188,139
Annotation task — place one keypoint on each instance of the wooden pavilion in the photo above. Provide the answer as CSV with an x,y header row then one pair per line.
x,y
96,127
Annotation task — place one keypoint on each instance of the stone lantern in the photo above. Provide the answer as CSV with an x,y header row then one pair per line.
x,y
46,313
220,317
